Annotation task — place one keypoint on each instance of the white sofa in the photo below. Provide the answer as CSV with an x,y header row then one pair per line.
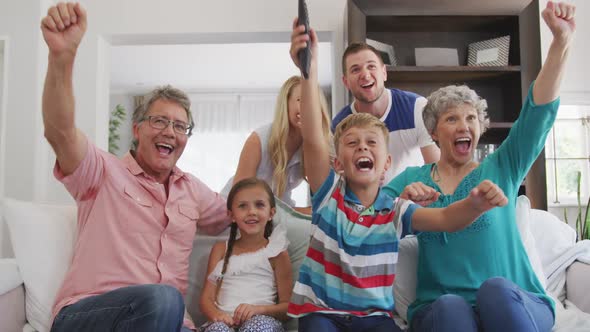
x,y
42,237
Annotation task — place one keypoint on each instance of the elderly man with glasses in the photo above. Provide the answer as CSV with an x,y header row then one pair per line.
x,y
137,216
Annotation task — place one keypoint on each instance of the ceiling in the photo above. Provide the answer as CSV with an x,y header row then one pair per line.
x,y
208,67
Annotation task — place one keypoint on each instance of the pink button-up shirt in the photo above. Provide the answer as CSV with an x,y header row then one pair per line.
x,y
129,231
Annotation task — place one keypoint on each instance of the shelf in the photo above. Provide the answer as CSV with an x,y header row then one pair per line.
x,y
500,125
442,7
412,23
455,24
447,73
495,135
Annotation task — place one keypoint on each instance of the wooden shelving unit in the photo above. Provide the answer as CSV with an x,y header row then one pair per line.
x,y
408,25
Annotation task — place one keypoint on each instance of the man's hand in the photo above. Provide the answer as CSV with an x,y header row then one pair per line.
x,y
486,196
420,194
63,28
559,17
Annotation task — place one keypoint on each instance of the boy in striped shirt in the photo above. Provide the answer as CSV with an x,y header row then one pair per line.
x,y
346,279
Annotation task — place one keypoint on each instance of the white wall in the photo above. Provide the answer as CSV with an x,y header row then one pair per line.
x,y
19,22
29,159
2,112
574,88
575,82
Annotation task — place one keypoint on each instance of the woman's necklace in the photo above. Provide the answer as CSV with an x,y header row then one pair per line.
x,y
435,174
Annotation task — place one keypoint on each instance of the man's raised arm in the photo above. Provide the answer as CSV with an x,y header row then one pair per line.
x,y
63,29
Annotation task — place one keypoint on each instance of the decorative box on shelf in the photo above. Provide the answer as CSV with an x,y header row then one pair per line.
x,y
387,52
491,52
436,56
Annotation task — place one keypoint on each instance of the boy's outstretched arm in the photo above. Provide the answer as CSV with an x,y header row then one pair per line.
x,y
316,152
460,214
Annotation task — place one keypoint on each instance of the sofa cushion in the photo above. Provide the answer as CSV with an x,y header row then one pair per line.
x,y
12,310
5,245
11,277
404,288
298,228
552,236
43,239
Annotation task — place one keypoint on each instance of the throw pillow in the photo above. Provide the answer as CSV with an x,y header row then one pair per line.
x,y
197,274
523,222
404,287
43,240
5,245
552,236
298,228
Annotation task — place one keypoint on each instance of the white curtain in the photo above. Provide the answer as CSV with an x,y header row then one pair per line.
x,y
231,112
222,124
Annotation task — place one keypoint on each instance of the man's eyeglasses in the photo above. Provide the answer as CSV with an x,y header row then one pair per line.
x,y
159,122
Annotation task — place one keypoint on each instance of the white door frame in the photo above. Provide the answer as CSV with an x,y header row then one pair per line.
x,y
5,58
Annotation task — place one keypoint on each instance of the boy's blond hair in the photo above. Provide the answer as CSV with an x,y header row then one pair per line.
x,y
359,120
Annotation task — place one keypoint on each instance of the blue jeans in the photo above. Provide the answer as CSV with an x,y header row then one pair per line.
x,y
134,308
501,306
346,323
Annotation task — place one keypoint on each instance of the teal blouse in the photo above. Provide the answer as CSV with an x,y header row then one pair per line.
x,y
459,262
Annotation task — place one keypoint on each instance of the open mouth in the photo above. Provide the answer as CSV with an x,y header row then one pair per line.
x,y
368,85
364,164
251,222
463,145
164,149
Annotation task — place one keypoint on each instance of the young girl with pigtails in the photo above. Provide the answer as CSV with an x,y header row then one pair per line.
x,y
249,277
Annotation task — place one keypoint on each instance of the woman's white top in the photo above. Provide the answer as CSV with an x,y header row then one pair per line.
x,y
265,168
249,277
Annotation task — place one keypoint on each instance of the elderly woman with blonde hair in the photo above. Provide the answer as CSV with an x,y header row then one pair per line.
x,y
273,151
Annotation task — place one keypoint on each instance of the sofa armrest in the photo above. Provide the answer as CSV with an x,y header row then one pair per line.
x,y
11,277
12,310
577,286
12,297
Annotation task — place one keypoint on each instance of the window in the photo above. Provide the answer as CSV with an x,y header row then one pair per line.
x,y
223,122
567,152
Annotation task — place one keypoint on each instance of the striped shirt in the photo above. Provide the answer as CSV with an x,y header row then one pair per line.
x,y
350,263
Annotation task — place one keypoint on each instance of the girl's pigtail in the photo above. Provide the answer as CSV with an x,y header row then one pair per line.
x,y
268,229
230,246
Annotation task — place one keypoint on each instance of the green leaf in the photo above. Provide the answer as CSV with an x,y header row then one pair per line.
x,y
117,117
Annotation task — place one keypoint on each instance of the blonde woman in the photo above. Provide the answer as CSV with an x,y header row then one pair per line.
x,y
273,152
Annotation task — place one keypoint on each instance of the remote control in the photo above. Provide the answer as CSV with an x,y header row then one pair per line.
x,y
304,54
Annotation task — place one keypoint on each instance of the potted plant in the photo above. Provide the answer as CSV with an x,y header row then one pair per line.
x,y
583,215
117,117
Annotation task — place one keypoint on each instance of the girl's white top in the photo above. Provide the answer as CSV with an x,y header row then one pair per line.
x,y
249,277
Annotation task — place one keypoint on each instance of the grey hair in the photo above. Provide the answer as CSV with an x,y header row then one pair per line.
x,y
167,93
452,96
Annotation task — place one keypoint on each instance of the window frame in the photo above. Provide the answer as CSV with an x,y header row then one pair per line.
x,y
554,198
